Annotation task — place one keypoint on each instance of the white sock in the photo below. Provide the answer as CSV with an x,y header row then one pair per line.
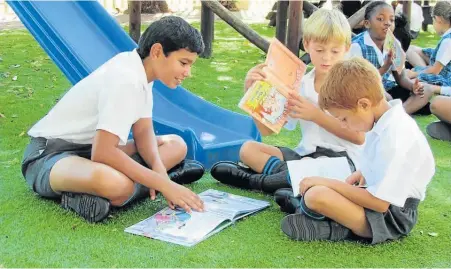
x,y
445,90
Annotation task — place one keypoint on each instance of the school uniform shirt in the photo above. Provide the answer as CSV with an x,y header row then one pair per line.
x,y
397,162
373,54
314,135
112,98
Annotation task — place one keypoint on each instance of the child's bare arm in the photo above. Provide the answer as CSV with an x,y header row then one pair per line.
x,y
105,150
355,194
434,69
265,131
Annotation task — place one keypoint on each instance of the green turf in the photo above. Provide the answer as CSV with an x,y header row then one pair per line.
x,y
35,232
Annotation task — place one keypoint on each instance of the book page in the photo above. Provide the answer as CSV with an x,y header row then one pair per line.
x,y
177,226
286,66
230,205
335,168
399,56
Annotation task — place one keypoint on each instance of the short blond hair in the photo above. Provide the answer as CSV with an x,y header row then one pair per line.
x,y
326,25
347,82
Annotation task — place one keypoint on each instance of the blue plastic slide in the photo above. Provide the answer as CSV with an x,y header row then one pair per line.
x,y
80,36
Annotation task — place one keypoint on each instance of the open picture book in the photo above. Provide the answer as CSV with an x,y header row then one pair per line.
x,y
399,56
187,229
266,100
335,168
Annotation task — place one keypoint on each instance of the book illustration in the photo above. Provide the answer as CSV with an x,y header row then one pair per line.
x,y
399,56
170,218
266,103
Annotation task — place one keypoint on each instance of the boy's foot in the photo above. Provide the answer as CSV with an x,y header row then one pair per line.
x,y
186,172
233,174
286,201
303,228
439,130
90,207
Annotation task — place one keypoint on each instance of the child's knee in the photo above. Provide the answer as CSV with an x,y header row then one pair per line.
x,y
247,149
316,197
112,184
178,146
436,104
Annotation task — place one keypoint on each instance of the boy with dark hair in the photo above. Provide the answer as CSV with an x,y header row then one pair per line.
x,y
80,151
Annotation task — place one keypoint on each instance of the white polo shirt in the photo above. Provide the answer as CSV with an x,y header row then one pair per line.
x,y
397,162
315,136
112,98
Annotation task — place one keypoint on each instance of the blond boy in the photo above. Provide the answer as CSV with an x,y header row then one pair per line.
x,y
327,38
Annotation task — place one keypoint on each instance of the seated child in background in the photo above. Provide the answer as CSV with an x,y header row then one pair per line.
x,y
80,152
434,65
441,107
327,37
397,165
379,18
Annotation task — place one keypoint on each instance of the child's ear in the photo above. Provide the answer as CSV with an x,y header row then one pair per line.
x,y
366,23
364,104
156,50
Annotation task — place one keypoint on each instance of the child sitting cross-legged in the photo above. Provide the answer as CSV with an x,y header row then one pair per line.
x,y
378,202
327,38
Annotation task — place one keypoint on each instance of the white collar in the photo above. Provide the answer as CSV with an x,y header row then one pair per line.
x,y
447,32
369,41
140,69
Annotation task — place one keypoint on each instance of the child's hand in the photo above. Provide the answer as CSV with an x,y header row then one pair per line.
x,y
356,177
177,195
388,61
301,108
256,73
307,183
418,88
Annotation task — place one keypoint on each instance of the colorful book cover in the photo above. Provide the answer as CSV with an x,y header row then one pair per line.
x,y
266,101
399,56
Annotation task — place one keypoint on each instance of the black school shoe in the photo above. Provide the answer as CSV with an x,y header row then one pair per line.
x,y
91,208
286,201
186,172
236,175
439,130
303,228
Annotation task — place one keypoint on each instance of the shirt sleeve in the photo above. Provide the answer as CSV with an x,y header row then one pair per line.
x,y
386,173
117,107
444,52
355,51
148,106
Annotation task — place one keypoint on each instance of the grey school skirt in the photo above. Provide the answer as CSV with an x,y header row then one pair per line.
x,y
41,155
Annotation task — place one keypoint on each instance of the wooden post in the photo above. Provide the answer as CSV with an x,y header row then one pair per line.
x,y
309,8
134,31
281,18
237,24
207,28
406,10
294,26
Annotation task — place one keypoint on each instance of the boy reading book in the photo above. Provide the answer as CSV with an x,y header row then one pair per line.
x,y
79,151
327,37
397,165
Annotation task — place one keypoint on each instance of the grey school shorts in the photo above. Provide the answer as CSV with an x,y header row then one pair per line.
x,y
41,155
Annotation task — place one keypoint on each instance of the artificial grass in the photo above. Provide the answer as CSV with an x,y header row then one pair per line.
x,y
35,232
